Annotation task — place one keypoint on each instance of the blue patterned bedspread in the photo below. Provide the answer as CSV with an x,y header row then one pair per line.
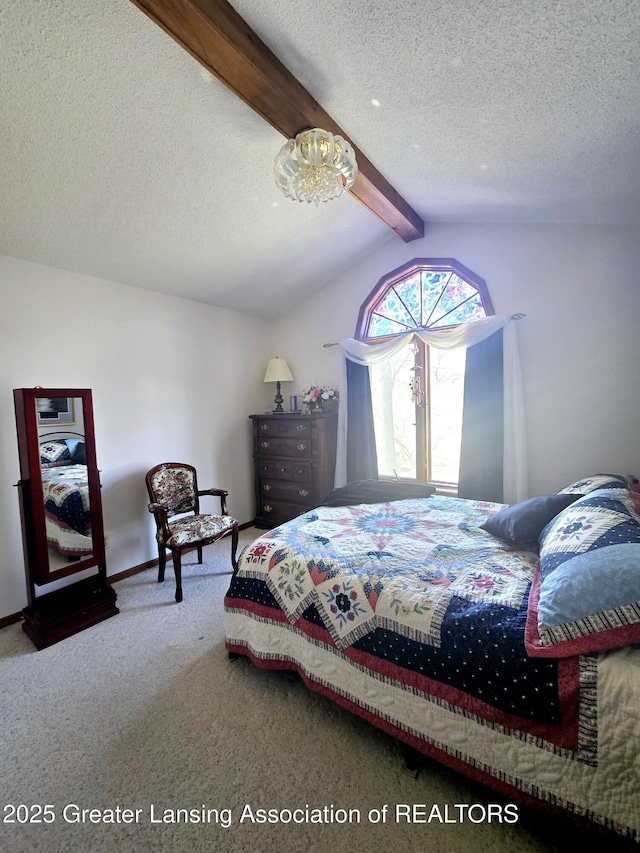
x,y
416,591
66,497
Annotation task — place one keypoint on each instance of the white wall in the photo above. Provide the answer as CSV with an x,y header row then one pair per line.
x,y
177,379
579,343
172,380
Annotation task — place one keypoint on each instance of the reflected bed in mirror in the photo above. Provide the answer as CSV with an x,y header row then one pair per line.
x,y
61,514
65,486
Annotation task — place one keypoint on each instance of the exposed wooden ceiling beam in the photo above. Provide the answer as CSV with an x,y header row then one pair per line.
x,y
215,34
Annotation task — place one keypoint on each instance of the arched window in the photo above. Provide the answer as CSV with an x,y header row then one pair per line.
x,y
417,394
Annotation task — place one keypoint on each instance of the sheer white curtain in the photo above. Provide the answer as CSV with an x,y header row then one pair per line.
x,y
465,335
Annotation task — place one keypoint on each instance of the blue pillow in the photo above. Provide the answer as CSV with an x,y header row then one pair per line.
x,y
79,454
54,452
586,596
599,481
599,518
591,583
523,522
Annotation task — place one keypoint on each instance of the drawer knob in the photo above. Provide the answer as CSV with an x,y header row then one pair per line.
x,y
283,470
267,487
302,447
264,427
303,493
264,444
301,427
268,508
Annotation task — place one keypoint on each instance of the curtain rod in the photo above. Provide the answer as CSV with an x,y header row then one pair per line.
x,y
518,316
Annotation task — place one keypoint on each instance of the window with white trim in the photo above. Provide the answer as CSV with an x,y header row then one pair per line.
x,y
417,394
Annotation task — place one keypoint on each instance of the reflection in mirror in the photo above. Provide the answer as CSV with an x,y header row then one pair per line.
x,y
65,485
61,514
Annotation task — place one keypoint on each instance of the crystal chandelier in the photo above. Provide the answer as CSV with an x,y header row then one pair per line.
x,y
315,166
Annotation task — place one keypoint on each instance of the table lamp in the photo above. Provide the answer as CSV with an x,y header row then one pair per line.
x,y
278,371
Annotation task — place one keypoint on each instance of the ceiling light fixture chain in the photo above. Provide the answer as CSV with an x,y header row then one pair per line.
x,y
315,166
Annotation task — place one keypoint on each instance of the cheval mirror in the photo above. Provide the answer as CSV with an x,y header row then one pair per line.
x,y
61,514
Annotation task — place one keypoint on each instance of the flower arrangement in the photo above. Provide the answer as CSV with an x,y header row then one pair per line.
x,y
315,396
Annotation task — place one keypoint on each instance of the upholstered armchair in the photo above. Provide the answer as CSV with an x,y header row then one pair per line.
x,y
173,491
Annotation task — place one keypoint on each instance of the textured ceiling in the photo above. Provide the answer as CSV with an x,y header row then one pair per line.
x,y
122,158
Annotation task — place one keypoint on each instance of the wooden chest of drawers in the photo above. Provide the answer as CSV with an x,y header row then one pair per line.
x,y
295,460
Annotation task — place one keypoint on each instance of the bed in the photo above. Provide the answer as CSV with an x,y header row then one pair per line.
x,y
66,496
502,641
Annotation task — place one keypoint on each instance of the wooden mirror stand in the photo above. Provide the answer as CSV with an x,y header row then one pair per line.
x,y
61,514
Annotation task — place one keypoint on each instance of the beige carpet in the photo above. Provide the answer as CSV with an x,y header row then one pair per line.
x,y
145,710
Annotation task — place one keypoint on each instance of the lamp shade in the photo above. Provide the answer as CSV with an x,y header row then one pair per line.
x,y
278,371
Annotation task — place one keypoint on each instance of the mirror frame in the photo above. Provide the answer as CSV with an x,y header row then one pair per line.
x,y
31,495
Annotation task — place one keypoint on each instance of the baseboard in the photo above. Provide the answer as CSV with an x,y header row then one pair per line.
x,y
134,570
10,620
5,621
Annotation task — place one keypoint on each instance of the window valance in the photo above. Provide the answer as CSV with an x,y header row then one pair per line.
x,y
462,336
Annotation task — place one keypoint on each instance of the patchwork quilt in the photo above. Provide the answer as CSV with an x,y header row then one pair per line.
x,y
415,590
413,616
66,497
67,510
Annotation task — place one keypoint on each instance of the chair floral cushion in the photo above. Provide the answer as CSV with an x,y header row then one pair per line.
x,y
586,595
174,488
195,528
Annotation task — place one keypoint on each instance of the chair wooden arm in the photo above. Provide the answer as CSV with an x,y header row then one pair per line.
x,y
161,515
221,493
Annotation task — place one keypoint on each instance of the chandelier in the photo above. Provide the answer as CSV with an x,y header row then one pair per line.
x,y
315,166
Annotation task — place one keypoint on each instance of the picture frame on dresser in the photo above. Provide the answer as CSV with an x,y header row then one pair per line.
x,y
294,463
